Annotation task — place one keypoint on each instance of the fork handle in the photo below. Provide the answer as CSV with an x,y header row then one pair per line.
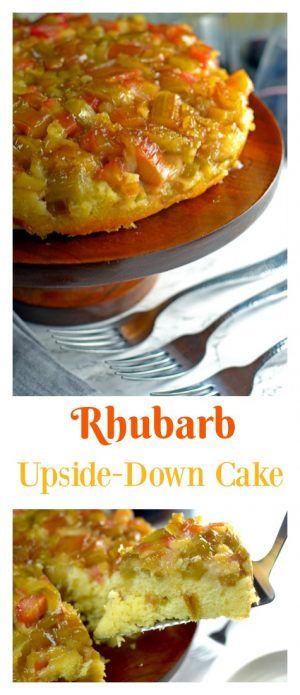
x,y
248,273
270,293
258,363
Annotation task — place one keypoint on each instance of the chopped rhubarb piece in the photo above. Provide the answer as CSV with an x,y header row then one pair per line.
x,y
72,544
99,141
188,76
128,117
68,122
24,63
143,547
191,529
150,163
52,523
108,24
125,77
51,103
31,609
216,523
33,98
112,172
127,48
44,31
202,53
54,63
165,109
92,100
50,28
41,663
90,140
31,122
176,32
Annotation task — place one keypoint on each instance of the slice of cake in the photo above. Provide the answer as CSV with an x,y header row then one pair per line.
x,y
50,641
185,571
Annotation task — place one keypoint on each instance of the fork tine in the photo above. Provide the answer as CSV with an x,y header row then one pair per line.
x,y
78,330
146,367
136,359
95,342
95,347
151,374
201,389
97,351
154,363
153,377
85,335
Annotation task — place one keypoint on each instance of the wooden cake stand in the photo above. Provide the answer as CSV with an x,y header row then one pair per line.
x,y
72,280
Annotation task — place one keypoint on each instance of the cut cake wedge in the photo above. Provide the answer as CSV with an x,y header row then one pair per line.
x,y
185,571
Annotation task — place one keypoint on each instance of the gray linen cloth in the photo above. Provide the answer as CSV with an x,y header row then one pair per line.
x,y
36,373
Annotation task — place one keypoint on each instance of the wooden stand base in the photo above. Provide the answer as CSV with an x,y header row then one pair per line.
x,y
67,307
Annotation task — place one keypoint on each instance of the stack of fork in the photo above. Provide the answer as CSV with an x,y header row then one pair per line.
x,y
181,355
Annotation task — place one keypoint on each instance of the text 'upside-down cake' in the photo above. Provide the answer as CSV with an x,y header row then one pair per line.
x,y
109,574
117,120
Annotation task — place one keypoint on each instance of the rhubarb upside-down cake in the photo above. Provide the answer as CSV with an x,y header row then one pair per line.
x,y
117,120
83,577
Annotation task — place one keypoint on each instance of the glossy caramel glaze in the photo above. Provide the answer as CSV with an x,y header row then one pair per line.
x,y
114,121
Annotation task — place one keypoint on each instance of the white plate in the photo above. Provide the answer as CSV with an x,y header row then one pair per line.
x,y
269,668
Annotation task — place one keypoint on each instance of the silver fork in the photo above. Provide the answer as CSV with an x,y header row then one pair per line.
x,y
115,336
181,355
263,587
233,381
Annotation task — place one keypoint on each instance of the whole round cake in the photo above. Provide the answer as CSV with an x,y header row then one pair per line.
x,y
117,120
